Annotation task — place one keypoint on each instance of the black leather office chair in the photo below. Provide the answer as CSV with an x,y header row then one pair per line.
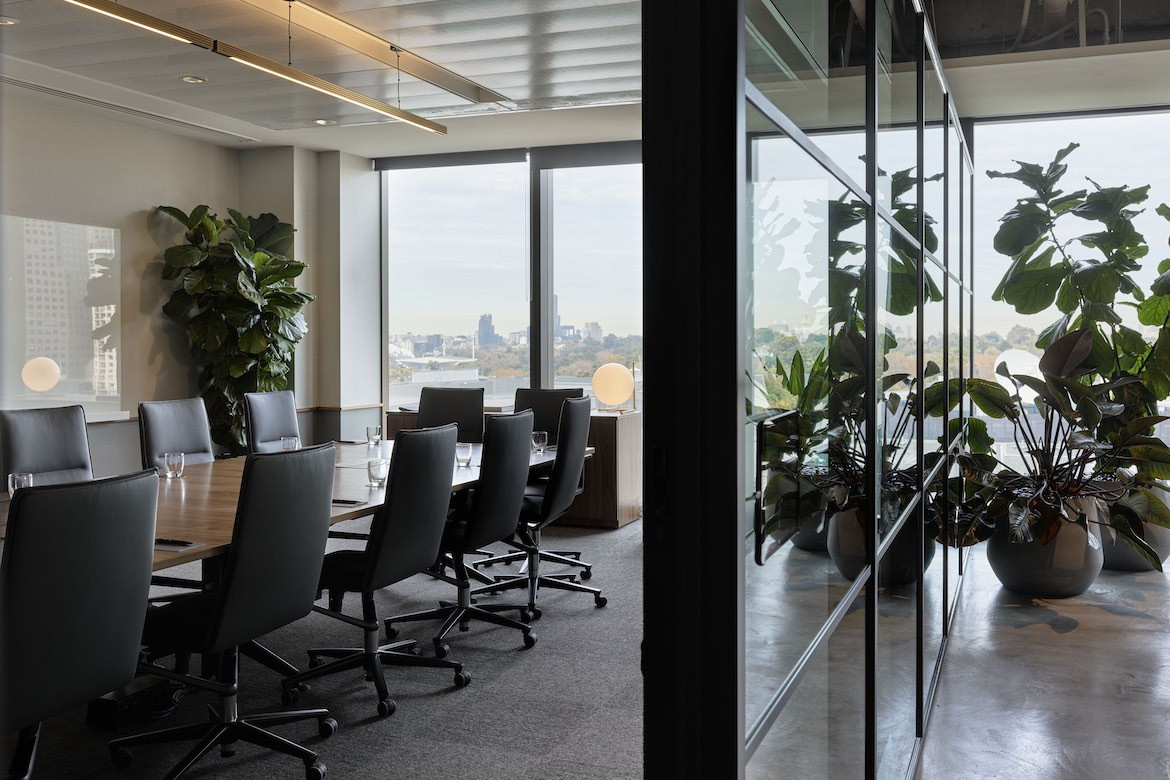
x,y
76,567
269,580
546,407
490,517
50,444
268,417
404,540
544,502
460,405
174,426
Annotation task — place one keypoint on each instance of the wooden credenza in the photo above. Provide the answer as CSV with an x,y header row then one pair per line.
x,y
613,476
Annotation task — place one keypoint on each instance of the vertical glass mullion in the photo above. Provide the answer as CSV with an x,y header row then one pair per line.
x,y
871,187
540,339
920,454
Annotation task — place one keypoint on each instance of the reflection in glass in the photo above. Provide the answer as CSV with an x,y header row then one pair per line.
x,y
806,250
61,328
898,42
934,155
955,202
808,58
457,246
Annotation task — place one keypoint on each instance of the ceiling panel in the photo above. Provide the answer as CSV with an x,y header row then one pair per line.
x,y
537,53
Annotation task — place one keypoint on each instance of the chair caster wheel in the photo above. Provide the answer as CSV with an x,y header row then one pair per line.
x,y
391,632
525,616
600,601
121,757
441,650
586,574
315,661
304,687
462,679
529,640
386,707
536,613
416,650
315,771
327,727
289,696
226,751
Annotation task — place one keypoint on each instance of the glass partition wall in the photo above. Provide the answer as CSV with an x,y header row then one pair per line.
x,y
858,300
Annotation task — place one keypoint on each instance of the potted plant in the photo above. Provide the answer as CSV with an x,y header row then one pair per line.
x,y
238,300
1087,278
1048,512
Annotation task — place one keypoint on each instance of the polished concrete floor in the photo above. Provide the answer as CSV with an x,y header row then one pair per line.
x,y
1060,689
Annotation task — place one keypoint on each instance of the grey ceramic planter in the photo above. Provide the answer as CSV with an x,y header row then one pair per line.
x,y
1120,556
1064,567
846,545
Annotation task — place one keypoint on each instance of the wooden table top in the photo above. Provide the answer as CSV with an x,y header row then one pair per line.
x,y
200,506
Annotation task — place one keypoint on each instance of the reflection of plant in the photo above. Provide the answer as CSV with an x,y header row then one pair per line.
x,y
1067,459
241,308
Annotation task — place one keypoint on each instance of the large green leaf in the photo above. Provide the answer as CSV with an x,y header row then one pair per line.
x,y
1067,355
179,305
1154,310
1020,228
183,256
991,398
254,340
208,331
1033,291
1098,283
248,290
979,441
1152,459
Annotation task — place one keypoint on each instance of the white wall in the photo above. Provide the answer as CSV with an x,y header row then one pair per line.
x,y
71,164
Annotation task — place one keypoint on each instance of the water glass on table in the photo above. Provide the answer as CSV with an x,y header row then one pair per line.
x,y
373,434
463,454
18,480
378,469
173,464
539,441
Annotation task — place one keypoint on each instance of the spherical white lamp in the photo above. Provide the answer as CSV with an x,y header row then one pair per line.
x,y
613,383
40,374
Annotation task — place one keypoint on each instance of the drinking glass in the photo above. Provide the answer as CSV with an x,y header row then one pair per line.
x,y
172,464
18,480
373,434
539,441
463,454
378,470
289,443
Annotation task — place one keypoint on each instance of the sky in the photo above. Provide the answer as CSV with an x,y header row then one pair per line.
x,y
458,248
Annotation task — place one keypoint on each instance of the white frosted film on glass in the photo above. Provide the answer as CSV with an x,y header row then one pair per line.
x,y
60,292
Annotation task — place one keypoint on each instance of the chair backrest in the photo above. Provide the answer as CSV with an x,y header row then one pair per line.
x,y
460,405
268,417
74,579
503,473
408,527
174,426
546,407
51,444
566,473
278,544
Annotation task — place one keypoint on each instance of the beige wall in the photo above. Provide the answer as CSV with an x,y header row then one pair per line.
x,y
76,165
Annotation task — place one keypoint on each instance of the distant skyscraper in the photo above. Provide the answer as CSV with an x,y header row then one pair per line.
x,y
486,334
592,331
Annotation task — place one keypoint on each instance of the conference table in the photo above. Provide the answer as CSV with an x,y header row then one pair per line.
x,y
200,506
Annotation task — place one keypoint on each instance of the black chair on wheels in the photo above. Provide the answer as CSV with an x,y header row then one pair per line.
x,y
50,444
460,405
490,517
544,502
174,426
51,594
546,405
269,580
268,418
404,540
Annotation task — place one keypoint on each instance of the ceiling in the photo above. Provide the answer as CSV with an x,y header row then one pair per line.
x,y
537,54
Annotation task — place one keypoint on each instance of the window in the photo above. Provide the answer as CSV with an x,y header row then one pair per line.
x,y
457,252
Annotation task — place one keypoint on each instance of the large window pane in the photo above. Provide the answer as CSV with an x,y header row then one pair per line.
x,y
597,271
458,280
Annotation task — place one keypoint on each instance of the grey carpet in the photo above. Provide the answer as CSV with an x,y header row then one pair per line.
x,y
571,707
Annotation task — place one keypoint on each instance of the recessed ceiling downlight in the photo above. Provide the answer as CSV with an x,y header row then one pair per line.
x,y
194,79
325,122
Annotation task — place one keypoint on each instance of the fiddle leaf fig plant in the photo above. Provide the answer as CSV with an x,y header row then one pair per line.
x,y
238,300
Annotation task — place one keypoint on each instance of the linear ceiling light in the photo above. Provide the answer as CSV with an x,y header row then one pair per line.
x,y
245,57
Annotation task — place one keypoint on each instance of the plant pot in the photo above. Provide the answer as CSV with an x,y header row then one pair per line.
x,y
1120,556
846,546
1064,567
813,534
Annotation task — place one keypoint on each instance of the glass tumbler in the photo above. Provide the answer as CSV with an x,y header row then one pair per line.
x,y
172,464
